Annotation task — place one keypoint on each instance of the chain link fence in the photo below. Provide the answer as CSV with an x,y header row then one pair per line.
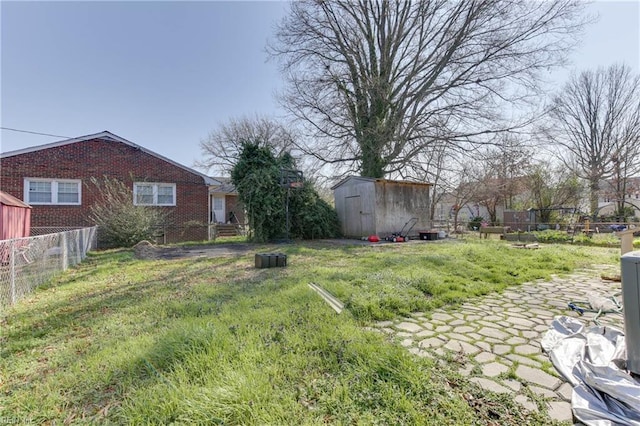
x,y
26,263
44,230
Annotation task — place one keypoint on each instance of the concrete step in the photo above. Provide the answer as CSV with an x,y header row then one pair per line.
x,y
226,230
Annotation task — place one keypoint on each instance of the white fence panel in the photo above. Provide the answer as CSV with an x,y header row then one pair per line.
x,y
26,263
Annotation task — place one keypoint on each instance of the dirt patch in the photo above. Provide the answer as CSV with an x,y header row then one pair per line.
x,y
148,251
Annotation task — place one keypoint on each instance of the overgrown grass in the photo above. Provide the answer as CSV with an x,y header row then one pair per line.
x,y
213,340
380,283
606,239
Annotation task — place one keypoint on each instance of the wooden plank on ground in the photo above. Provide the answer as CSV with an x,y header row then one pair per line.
x,y
328,297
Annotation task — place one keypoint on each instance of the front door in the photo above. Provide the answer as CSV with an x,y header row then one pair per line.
x,y
217,208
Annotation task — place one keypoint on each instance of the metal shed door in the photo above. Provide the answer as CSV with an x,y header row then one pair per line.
x,y
352,215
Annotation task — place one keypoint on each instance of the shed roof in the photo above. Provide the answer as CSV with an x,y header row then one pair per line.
x,y
108,136
10,200
368,179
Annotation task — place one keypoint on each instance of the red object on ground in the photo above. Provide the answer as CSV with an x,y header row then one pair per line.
x,y
399,239
374,238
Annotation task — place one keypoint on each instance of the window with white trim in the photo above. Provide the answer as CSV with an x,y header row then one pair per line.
x,y
154,194
53,191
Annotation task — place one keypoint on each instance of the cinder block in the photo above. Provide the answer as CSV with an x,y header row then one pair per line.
x,y
262,260
270,260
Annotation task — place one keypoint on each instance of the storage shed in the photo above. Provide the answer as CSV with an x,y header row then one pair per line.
x,y
368,206
15,217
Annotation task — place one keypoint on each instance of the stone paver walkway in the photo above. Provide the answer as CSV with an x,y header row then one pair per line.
x,y
500,335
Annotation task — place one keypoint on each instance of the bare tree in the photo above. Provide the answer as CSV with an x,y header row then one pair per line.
x,y
552,188
596,120
501,174
435,172
510,162
626,156
626,164
221,150
433,166
121,222
462,187
372,79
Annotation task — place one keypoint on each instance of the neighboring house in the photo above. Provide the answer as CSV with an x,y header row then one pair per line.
x,y
445,210
15,217
610,208
223,199
607,192
56,180
608,197
368,206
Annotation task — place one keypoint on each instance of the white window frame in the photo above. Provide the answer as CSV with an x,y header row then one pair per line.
x,y
54,191
155,186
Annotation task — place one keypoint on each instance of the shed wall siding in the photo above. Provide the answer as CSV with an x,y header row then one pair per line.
x,y
397,203
14,222
97,158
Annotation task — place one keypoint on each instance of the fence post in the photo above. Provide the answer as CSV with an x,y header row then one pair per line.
x,y
12,270
65,257
94,237
80,237
77,238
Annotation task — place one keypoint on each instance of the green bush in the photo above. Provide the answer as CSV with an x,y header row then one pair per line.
x,y
120,222
560,237
256,176
312,217
552,236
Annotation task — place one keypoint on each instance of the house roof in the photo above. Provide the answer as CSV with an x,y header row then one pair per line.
x,y
10,200
108,136
225,186
368,179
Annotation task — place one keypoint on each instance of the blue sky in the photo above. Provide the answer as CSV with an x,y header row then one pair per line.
x,y
164,74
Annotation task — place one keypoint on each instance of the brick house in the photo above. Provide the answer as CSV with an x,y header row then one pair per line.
x,y
55,179
225,207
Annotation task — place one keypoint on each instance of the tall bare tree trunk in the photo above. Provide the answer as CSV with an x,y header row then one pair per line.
x,y
594,188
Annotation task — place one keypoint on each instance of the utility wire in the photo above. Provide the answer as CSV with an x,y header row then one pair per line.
x,y
34,133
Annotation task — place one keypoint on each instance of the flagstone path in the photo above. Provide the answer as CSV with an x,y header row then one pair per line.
x,y
500,335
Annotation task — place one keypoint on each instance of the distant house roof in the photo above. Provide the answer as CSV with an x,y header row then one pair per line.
x,y
10,200
224,185
108,136
368,179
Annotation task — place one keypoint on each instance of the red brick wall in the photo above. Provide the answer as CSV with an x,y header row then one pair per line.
x,y
98,158
235,206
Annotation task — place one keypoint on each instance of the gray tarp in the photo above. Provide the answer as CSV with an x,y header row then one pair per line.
x,y
593,360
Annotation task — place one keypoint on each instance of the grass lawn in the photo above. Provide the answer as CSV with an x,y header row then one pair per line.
x,y
216,341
